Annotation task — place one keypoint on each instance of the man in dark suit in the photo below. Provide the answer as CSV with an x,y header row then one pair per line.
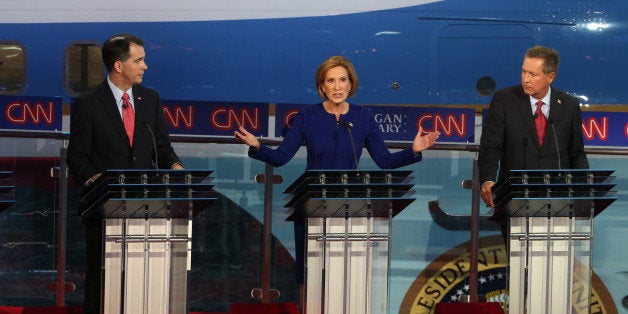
x,y
110,128
510,140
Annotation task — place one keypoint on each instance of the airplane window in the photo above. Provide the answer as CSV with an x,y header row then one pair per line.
x,y
84,69
12,70
485,85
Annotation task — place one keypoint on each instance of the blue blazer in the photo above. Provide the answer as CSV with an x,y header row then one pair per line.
x,y
329,143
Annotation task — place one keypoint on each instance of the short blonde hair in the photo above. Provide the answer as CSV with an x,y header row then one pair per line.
x,y
331,63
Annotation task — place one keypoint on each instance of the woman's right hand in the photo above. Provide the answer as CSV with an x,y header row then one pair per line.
x,y
246,138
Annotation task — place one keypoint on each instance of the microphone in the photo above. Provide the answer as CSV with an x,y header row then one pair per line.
x,y
524,144
345,124
154,144
551,123
348,126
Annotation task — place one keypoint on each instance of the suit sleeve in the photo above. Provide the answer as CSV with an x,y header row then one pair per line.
x,y
166,154
492,140
80,145
577,156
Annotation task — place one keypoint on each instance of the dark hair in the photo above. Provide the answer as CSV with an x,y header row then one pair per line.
x,y
117,48
331,63
549,55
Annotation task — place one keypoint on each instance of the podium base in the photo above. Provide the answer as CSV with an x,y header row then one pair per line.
x,y
58,310
469,308
264,308
41,310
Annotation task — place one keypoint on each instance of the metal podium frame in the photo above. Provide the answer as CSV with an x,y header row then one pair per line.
x,y
147,225
550,223
348,217
7,184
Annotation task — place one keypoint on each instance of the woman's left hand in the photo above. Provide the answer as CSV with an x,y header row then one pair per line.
x,y
424,140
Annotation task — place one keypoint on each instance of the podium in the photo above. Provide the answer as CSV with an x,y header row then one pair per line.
x,y
348,216
7,196
147,225
550,219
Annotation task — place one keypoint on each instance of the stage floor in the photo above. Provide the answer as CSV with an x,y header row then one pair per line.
x,y
58,310
236,308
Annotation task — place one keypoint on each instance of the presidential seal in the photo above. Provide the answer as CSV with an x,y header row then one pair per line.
x,y
446,279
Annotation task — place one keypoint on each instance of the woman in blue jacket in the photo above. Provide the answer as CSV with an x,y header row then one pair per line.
x,y
334,133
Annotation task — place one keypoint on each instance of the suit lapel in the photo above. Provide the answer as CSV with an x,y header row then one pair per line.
x,y
111,107
525,112
140,109
556,106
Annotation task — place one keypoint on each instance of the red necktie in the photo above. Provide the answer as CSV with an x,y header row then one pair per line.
x,y
128,117
540,122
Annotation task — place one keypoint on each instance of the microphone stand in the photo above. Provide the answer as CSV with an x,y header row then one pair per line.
x,y
551,123
348,126
154,144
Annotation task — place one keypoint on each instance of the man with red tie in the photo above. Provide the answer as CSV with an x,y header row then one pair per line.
x,y
112,127
527,123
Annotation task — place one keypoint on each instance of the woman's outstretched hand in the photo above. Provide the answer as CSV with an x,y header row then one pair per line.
x,y
424,140
246,137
